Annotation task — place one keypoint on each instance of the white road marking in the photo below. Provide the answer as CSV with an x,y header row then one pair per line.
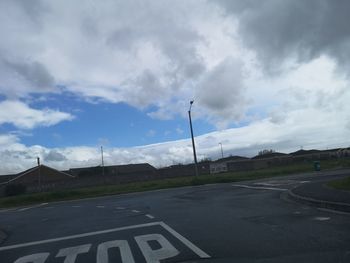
x,y
184,240
297,213
304,182
71,253
321,218
30,207
35,258
150,216
333,211
135,211
120,208
124,248
166,250
100,206
181,238
260,188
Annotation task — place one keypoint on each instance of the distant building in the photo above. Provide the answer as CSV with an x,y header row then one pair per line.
x,y
140,168
38,178
218,167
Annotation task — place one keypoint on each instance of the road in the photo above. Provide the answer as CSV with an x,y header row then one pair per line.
x,y
235,222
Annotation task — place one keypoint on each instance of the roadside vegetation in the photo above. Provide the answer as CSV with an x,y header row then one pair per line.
x,y
29,199
343,184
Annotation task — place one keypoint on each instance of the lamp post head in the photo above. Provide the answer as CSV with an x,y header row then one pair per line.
x,y
191,102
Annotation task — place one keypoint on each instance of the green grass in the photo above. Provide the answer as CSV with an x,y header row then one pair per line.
x,y
29,199
343,184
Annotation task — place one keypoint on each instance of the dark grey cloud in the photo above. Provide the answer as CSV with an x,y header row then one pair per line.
x,y
54,156
221,91
33,73
278,30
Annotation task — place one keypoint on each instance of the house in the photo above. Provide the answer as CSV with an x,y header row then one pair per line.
x,y
39,178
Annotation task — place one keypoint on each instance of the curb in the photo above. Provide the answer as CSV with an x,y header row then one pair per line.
x,y
343,207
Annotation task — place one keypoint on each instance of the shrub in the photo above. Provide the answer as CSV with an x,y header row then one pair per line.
x,y
15,189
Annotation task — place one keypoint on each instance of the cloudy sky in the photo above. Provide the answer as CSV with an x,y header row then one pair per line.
x,y
75,75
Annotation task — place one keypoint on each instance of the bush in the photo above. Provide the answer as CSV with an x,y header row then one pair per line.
x,y
15,189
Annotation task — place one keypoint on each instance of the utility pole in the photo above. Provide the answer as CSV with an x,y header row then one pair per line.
x,y
222,152
103,165
39,173
193,144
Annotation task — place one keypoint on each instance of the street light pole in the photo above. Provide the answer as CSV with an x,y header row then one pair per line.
x,y
193,144
222,152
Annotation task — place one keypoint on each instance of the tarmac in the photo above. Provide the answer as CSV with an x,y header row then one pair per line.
x,y
2,236
321,195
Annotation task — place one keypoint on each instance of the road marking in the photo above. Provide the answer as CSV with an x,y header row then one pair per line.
x,y
184,240
260,188
321,218
35,258
30,207
124,248
333,211
77,236
135,211
166,249
150,216
304,182
120,208
100,206
181,238
71,253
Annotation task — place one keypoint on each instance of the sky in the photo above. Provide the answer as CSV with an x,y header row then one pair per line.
x,y
78,75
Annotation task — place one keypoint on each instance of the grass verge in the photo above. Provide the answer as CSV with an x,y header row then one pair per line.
x,y
343,184
29,199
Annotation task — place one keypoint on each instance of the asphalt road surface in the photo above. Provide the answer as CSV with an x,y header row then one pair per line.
x,y
236,222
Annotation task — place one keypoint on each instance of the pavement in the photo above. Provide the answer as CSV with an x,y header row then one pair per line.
x,y
319,194
220,223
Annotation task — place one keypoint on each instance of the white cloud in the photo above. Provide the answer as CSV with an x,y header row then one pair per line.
x,y
156,56
324,131
21,116
165,53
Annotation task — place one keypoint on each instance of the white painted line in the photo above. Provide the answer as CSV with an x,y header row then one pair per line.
x,y
304,182
321,218
30,207
7,210
120,208
135,211
78,236
150,216
184,240
333,211
100,206
260,188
